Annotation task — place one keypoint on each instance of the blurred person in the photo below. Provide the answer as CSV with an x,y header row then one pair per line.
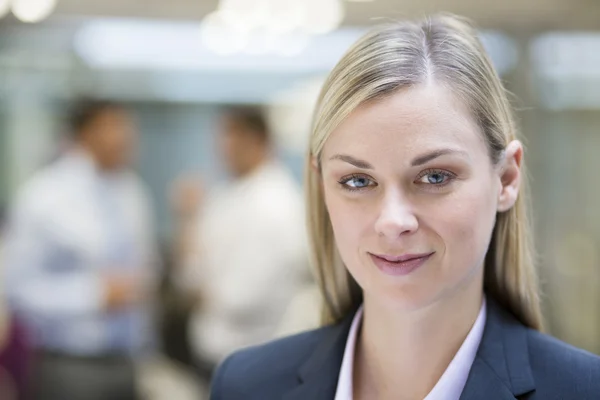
x,y
242,251
80,261
420,236
300,314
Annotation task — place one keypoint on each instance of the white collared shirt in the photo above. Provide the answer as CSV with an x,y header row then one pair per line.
x,y
254,256
450,384
69,224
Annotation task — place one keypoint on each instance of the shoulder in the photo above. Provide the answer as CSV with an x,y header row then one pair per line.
x,y
265,371
38,194
278,185
42,179
561,368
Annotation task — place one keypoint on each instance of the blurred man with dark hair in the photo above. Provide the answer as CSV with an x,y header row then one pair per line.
x,y
114,147
80,261
245,140
243,250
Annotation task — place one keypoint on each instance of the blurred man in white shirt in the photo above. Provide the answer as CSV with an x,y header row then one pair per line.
x,y
80,261
243,250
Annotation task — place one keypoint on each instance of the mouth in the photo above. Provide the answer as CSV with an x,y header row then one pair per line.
x,y
399,265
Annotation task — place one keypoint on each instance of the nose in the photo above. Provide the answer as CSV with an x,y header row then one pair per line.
x,y
396,217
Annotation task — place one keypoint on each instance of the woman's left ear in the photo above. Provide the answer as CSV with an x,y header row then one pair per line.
x,y
510,176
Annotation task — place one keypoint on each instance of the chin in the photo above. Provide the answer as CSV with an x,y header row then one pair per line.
x,y
421,293
407,298
392,293
404,294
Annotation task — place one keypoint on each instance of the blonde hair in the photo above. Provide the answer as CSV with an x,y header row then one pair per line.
x,y
444,49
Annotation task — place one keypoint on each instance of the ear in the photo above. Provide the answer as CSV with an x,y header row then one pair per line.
x,y
510,176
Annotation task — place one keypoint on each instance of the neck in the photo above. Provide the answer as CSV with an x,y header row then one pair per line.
x,y
89,152
402,354
253,164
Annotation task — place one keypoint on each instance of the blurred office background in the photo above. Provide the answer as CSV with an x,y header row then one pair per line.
x,y
176,63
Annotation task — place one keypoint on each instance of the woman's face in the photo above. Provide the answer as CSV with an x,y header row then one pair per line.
x,y
412,195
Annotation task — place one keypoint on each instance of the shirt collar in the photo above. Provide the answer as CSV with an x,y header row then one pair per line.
x,y
451,383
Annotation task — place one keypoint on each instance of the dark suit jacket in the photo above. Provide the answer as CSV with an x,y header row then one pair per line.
x,y
512,362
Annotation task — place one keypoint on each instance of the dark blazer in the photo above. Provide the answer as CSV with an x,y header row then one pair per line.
x,y
512,362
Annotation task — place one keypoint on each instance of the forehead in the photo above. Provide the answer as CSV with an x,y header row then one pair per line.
x,y
407,122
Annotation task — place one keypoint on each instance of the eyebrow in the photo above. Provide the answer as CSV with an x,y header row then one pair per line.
x,y
424,159
351,160
421,160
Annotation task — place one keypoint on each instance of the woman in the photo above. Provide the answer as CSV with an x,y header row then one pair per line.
x,y
420,239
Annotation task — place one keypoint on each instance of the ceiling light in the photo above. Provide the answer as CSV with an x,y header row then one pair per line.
x,y
322,17
217,35
4,7
33,11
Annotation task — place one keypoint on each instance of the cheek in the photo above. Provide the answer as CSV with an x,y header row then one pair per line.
x,y
227,144
112,139
349,221
467,225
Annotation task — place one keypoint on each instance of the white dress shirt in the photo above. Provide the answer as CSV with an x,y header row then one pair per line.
x,y
451,383
70,224
253,255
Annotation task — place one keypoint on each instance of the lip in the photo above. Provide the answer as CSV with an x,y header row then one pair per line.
x,y
399,265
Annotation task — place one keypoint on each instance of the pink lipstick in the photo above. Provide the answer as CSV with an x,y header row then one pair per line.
x,y
399,265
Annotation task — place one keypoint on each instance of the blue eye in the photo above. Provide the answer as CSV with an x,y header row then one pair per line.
x,y
435,177
356,182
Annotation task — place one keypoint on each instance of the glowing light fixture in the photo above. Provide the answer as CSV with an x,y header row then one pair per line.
x,y
33,11
258,27
4,7
322,17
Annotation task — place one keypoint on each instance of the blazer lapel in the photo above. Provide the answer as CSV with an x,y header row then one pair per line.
x,y
483,383
501,370
318,376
